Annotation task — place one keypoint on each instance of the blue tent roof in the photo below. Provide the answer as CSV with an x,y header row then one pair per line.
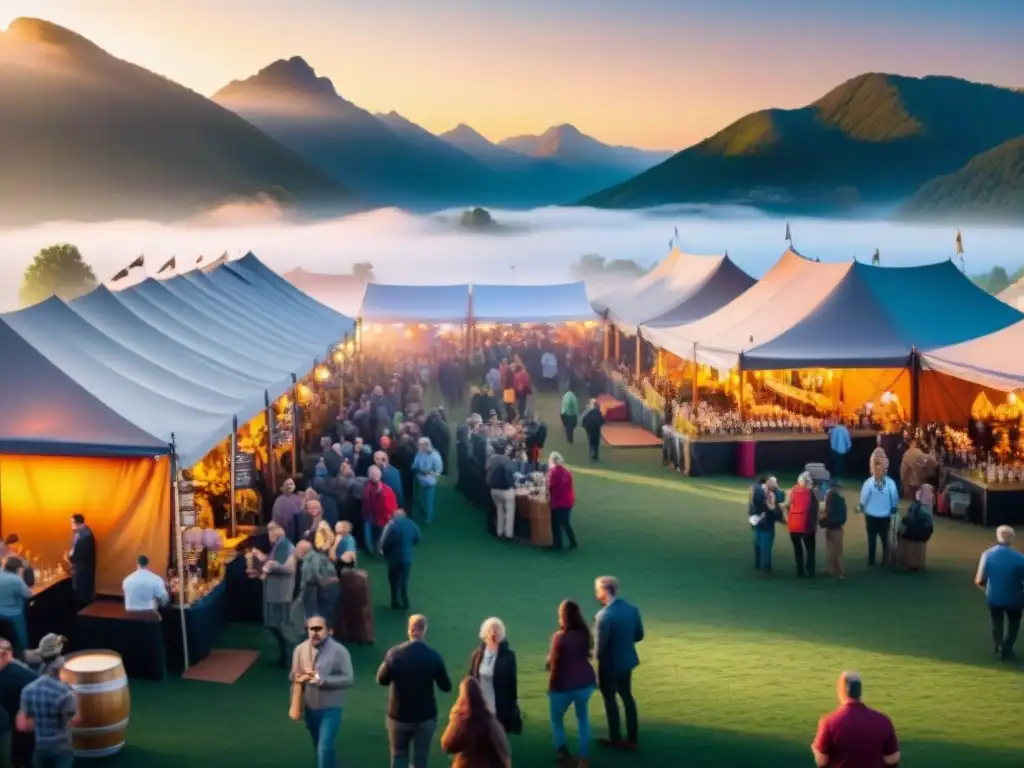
x,y
415,303
876,316
44,411
720,287
256,272
531,303
197,418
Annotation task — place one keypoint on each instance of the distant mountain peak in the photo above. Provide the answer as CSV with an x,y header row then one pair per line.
x,y
33,31
463,131
294,74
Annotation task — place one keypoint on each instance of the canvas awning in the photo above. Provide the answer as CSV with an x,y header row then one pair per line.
x,y
788,292
875,317
562,303
676,279
44,411
993,361
343,293
415,303
719,288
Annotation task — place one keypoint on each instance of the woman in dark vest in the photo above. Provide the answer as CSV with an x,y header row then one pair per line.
x,y
493,664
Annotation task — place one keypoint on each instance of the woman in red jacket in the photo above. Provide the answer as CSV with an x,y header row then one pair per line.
x,y
801,521
563,499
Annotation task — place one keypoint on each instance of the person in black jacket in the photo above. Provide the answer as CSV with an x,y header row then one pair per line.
x,y
832,518
83,561
411,670
593,421
493,664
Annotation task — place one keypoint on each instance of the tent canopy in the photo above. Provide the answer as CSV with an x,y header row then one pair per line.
x,y
44,411
994,361
724,284
415,303
531,303
343,293
676,279
788,292
875,317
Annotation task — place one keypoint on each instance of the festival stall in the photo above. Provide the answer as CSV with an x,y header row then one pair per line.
x,y
188,368
979,380
811,340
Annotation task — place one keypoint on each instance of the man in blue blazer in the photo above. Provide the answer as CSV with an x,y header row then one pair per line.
x,y
618,628
397,542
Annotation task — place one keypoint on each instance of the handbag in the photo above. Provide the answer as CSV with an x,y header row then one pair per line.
x,y
515,725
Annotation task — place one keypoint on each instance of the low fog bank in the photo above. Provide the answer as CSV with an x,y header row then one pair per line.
x,y
541,245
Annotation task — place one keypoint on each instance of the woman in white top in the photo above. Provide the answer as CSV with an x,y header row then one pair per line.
x,y
493,664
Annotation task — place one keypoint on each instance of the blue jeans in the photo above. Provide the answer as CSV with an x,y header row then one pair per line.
x,y
371,534
579,700
425,501
323,726
764,540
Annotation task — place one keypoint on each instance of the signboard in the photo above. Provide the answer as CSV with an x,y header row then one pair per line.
x,y
245,471
187,502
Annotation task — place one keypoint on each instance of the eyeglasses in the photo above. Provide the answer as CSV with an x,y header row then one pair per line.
x,y
316,629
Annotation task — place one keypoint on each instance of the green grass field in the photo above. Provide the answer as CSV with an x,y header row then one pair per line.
x,y
735,671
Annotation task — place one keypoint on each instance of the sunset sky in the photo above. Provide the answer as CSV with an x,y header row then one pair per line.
x,y
660,74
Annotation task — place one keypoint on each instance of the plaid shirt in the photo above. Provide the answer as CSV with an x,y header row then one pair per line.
x,y
51,704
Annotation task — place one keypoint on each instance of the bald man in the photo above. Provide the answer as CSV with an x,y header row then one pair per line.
x,y
411,671
855,734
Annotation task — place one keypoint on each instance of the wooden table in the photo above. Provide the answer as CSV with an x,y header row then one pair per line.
x,y
536,512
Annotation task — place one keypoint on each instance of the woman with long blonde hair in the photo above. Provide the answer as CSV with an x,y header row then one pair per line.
x,y
473,736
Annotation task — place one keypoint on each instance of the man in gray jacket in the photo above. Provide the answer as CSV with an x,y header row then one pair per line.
x,y
324,669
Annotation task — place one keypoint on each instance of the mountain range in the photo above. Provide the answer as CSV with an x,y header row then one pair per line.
x,y
87,136
396,162
872,141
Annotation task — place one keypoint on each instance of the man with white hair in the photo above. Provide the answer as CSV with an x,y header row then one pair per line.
x,y
1001,576
426,467
854,734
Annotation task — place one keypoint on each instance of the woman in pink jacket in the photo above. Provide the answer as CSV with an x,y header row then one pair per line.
x,y
563,499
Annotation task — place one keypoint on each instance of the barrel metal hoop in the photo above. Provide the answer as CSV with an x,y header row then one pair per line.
x,y
107,687
79,731
105,752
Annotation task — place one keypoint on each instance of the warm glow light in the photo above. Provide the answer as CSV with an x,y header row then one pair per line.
x,y
589,324
304,392
408,333
445,327
887,397
339,355
484,327
830,374
322,374
351,346
1011,398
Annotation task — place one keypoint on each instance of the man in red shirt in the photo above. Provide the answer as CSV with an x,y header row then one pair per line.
x,y
855,736
379,505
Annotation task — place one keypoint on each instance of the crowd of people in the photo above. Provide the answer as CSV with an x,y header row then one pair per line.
x,y
486,711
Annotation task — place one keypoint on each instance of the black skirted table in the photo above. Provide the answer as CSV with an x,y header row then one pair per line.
x,y
992,505
245,595
50,609
204,620
781,452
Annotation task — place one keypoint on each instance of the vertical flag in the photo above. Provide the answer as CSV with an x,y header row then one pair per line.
x,y
119,276
876,260
789,236
171,263
960,250
199,260
140,261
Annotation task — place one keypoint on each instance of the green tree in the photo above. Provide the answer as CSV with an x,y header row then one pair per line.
x,y
476,217
56,270
364,271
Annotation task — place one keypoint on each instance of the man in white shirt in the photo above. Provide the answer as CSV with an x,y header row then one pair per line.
x,y
879,500
549,370
144,590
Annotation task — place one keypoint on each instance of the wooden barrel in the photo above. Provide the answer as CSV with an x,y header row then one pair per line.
x,y
104,706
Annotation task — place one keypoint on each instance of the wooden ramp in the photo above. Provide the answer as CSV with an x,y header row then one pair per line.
x,y
222,666
617,435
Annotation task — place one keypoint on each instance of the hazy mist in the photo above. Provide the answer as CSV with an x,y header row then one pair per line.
x,y
541,244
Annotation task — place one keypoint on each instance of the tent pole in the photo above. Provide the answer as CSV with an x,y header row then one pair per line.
x,y
618,336
661,364
607,338
743,389
179,548
695,384
915,387
295,426
234,451
639,344
341,376
271,481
